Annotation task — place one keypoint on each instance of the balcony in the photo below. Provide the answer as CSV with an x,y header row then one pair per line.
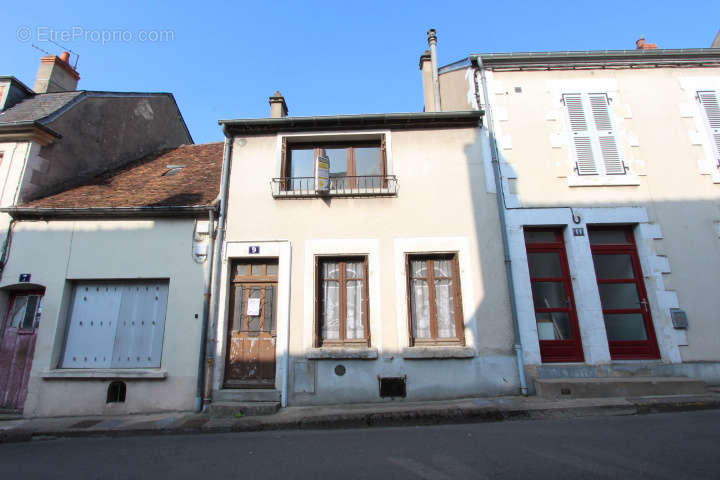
x,y
340,186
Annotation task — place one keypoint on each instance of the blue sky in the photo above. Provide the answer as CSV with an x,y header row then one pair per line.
x,y
223,60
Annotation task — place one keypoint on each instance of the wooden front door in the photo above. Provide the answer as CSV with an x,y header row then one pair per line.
x,y
626,311
17,347
251,333
555,315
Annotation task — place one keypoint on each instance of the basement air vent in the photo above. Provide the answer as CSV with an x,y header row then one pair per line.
x,y
392,387
116,392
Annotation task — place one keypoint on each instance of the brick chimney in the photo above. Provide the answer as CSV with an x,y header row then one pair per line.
x,y
278,107
642,45
56,75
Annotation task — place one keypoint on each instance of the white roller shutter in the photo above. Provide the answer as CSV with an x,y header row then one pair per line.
x,y
710,100
116,324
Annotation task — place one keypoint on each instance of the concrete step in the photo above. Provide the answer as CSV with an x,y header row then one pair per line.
x,y
242,409
617,387
247,395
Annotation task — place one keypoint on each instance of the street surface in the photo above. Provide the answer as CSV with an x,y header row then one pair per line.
x,y
662,446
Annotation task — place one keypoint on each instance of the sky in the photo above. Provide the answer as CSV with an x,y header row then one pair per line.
x,y
224,59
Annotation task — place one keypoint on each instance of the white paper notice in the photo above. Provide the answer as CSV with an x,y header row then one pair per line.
x,y
253,308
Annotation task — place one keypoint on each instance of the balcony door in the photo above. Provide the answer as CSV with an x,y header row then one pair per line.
x,y
555,314
625,307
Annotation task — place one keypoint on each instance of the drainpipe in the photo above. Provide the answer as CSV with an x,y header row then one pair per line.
x,y
215,280
499,195
207,279
432,41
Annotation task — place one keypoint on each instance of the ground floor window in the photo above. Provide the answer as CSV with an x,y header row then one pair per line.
x,y
116,324
342,301
434,299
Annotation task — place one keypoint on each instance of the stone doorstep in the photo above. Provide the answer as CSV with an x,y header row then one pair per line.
x,y
556,388
246,395
242,409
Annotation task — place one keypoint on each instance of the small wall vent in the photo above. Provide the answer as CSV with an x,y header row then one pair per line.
x,y
116,392
393,387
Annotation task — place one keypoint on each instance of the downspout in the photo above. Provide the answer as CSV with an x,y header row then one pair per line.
x,y
432,41
215,280
207,279
500,194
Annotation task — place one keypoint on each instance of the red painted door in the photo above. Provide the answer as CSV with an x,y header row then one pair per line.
x,y
626,311
17,347
555,314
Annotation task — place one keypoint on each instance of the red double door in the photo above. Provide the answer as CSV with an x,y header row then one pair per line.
x,y
626,311
19,330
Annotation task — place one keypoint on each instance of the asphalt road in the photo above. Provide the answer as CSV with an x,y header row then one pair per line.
x,y
664,446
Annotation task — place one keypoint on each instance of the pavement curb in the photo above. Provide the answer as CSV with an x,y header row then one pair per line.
x,y
435,415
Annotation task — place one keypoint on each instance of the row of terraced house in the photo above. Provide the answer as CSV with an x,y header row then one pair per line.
x,y
548,220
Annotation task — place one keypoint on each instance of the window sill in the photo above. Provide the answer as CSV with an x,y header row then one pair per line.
x,y
412,353
603,180
104,373
342,353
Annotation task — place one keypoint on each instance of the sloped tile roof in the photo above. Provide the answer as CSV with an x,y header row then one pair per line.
x,y
145,183
38,107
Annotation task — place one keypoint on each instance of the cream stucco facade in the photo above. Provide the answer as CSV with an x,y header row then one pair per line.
x,y
59,253
669,193
437,208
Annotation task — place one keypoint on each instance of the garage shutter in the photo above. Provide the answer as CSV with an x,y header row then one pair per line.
x,y
116,324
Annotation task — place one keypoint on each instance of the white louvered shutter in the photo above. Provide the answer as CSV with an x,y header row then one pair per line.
x,y
710,101
605,134
580,131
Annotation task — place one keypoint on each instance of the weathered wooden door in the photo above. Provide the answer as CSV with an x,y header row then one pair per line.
x,y
17,347
251,336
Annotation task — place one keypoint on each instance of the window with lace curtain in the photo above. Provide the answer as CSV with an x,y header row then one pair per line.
x,y
434,300
342,301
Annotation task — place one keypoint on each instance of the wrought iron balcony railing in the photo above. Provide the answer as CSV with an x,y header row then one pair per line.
x,y
340,186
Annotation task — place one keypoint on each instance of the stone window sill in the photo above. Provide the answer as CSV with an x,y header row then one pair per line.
x,y
103,373
603,180
412,353
342,353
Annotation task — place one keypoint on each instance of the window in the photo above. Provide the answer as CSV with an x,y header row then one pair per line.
x,y
351,166
434,300
342,301
116,324
592,134
710,101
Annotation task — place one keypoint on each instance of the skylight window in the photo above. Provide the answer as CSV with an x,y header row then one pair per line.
x,y
173,170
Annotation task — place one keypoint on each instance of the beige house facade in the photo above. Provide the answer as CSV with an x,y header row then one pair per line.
x,y
610,178
382,264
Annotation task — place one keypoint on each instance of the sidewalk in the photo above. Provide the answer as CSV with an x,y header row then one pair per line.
x,y
469,410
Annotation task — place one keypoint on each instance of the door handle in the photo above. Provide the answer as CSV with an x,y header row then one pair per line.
x,y
644,305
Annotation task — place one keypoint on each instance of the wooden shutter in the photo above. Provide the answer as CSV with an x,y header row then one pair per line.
x,y
605,134
581,135
710,101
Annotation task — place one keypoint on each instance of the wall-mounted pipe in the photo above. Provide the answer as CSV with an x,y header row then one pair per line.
x,y
499,195
432,41
207,280
215,279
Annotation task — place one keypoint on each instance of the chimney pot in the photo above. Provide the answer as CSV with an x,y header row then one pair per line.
x,y
65,57
278,107
641,44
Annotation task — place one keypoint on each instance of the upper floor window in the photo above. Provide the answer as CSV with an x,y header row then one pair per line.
x,y
710,101
592,134
346,167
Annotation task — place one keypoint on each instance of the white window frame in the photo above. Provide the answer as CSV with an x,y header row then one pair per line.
x,y
82,350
